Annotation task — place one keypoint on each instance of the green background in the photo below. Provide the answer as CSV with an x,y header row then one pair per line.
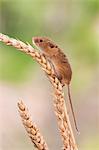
x,y
74,26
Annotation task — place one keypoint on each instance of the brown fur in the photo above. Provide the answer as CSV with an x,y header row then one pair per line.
x,y
57,57
59,62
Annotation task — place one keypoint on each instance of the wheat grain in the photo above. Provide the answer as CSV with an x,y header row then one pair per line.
x,y
31,128
59,102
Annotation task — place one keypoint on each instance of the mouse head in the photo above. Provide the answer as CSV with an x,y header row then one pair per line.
x,y
43,43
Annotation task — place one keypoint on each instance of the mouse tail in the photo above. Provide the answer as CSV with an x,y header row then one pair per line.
x,y
71,105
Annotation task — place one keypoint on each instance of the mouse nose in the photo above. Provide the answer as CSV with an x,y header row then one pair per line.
x,y
35,39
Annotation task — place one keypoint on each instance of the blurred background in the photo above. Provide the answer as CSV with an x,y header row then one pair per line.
x,y
72,24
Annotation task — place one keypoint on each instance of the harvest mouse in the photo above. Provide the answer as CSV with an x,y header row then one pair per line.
x,y
59,61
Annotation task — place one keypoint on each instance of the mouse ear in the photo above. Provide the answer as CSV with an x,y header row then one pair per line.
x,y
51,45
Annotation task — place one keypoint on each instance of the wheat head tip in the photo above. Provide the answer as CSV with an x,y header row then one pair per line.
x,y
31,128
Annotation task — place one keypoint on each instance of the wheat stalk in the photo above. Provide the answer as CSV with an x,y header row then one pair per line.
x,y
59,102
31,128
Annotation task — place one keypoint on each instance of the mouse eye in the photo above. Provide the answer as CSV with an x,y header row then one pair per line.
x,y
41,40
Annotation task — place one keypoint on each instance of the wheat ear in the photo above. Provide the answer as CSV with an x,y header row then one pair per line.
x,y
59,102
31,128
